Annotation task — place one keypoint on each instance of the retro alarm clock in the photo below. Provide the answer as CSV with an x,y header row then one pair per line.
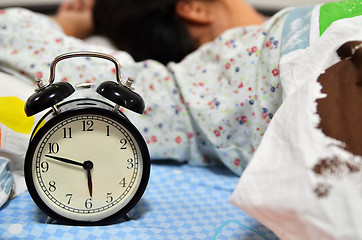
x,y
86,163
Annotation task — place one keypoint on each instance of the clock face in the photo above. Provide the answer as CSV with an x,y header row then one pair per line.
x,y
87,167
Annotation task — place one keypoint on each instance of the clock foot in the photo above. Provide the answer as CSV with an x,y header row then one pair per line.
x,y
127,217
49,220
123,219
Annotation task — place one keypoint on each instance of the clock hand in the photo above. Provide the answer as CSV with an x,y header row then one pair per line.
x,y
90,185
88,166
65,160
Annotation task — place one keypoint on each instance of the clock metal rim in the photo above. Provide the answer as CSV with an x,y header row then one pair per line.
x,y
122,120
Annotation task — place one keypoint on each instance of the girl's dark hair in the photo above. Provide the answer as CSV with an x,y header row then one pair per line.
x,y
146,29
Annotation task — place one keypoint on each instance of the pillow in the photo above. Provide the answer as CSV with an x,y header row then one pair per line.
x,y
305,179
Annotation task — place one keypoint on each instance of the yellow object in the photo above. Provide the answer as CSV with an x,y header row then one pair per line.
x,y
13,116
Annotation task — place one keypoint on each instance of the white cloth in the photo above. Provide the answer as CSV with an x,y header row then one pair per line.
x,y
285,194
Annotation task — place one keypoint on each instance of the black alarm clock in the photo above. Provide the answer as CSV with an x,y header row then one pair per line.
x,y
86,163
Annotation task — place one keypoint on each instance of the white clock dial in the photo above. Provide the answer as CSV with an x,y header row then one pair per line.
x,y
87,167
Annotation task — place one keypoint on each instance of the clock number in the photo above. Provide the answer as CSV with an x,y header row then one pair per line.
x,y
52,187
67,134
109,197
107,132
45,166
130,163
53,147
88,203
123,142
123,182
69,196
87,126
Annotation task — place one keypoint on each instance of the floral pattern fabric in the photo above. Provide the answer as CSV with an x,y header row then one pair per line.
x,y
212,107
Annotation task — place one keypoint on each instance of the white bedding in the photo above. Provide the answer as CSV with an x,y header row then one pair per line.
x,y
287,196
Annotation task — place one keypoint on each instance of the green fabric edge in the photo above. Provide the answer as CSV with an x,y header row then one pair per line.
x,y
333,11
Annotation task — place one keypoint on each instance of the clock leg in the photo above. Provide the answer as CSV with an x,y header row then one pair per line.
x,y
49,220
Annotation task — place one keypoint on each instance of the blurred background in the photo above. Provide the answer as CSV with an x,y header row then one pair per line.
x,y
268,7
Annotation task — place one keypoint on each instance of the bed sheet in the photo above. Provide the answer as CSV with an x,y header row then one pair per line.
x,y
180,202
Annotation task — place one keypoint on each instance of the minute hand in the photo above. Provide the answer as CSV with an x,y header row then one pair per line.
x,y
65,160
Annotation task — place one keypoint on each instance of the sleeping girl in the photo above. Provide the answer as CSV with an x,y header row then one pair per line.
x,y
208,70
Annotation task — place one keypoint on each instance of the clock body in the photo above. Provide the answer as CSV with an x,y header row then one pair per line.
x,y
87,165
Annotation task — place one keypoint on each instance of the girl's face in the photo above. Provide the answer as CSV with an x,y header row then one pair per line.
x,y
207,19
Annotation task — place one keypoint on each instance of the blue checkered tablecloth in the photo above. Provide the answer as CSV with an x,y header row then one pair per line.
x,y
181,202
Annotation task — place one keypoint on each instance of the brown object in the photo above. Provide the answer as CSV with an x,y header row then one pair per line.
x,y
341,110
345,51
